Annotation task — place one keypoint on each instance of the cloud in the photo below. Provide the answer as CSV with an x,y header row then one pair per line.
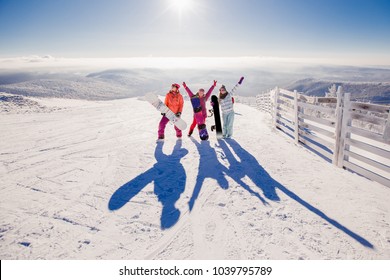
x,y
47,62
37,58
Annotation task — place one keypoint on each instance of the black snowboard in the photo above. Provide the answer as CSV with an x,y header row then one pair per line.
x,y
217,117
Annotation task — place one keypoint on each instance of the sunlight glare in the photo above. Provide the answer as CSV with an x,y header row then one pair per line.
x,y
182,5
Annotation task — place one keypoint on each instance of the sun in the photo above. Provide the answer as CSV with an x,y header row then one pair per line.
x,y
182,5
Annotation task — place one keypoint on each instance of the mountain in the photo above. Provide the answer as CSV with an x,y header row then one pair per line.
x,y
363,91
115,83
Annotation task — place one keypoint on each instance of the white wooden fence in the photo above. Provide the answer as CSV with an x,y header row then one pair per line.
x,y
351,135
250,101
263,102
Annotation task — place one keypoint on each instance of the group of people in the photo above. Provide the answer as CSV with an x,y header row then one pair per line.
x,y
175,102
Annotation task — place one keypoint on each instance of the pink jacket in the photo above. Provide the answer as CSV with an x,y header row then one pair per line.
x,y
202,100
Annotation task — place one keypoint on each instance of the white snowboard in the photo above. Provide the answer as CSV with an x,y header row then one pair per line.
x,y
159,105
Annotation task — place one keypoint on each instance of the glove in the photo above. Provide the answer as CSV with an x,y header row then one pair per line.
x,y
178,114
215,83
184,84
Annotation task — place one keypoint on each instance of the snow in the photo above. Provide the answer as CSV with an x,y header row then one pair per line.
x,y
86,180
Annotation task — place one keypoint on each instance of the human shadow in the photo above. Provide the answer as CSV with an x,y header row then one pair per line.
x,y
169,179
209,167
249,166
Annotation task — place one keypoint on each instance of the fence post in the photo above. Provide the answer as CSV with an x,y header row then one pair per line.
x,y
260,101
339,119
346,121
276,98
386,133
263,101
268,102
296,121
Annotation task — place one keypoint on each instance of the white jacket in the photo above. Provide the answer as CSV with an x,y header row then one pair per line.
x,y
227,102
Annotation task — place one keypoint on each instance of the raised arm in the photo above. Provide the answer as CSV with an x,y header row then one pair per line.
x,y
236,86
189,92
211,90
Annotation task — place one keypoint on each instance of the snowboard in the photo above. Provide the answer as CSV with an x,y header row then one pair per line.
x,y
195,102
160,106
217,117
216,112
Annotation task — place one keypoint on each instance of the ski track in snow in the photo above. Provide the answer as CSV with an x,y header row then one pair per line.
x,y
89,182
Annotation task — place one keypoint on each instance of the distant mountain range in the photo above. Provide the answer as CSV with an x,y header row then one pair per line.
x,y
362,91
365,84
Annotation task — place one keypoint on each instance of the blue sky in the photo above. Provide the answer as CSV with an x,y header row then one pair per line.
x,y
339,30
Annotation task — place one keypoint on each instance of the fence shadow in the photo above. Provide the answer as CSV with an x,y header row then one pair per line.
x,y
169,179
249,166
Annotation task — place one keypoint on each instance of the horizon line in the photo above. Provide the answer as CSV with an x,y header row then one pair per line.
x,y
36,59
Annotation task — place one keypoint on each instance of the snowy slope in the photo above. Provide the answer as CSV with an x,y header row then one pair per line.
x,y
89,182
75,87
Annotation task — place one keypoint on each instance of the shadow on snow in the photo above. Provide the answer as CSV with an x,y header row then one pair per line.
x,y
169,179
209,167
247,165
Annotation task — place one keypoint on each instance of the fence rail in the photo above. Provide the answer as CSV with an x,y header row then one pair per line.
x,y
351,135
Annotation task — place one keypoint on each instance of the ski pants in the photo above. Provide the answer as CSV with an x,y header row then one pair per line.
x,y
194,123
161,127
228,120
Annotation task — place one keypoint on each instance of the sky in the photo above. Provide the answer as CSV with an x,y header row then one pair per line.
x,y
342,31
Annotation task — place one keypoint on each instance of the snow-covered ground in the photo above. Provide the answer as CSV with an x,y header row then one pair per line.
x,y
86,180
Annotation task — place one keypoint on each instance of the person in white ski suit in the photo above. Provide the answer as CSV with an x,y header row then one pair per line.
x,y
226,100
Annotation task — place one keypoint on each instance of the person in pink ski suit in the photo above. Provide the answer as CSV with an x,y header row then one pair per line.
x,y
203,98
